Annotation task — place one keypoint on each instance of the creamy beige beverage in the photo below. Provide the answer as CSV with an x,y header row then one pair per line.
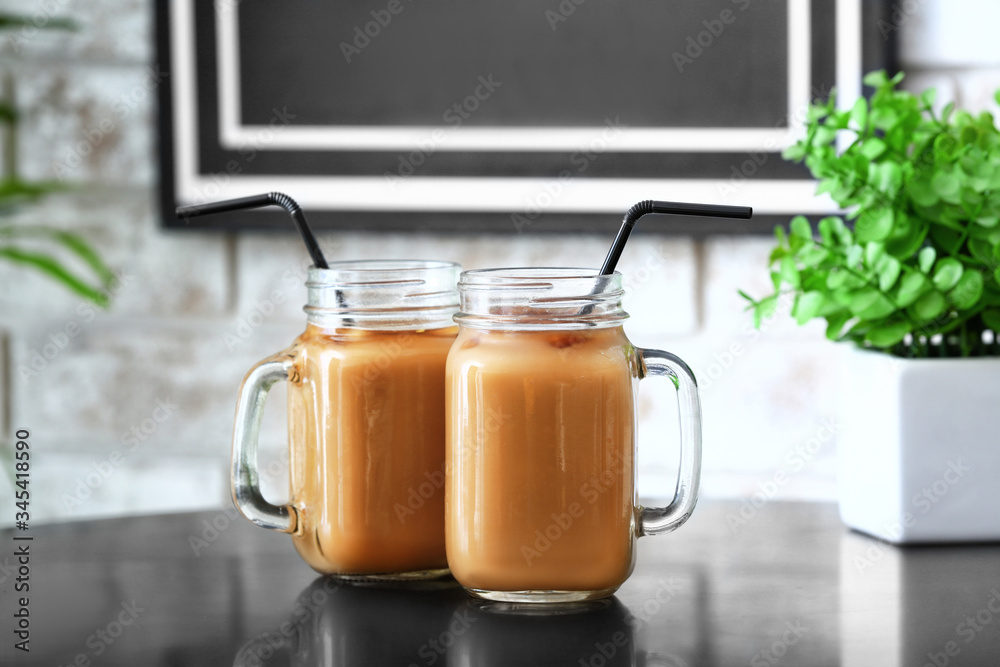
x,y
367,431
540,455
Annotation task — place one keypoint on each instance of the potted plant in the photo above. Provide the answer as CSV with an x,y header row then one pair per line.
x,y
914,286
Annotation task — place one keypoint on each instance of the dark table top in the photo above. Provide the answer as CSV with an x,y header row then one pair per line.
x,y
786,586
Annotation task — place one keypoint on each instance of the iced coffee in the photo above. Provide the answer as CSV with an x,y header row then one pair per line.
x,y
541,436
366,419
540,492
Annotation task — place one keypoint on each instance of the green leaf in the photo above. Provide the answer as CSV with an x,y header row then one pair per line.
x,y
947,185
824,136
788,272
968,290
981,250
887,335
826,232
813,256
51,267
887,176
874,251
807,306
859,114
8,21
913,234
881,307
926,259
993,236
888,272
928,96
764,310
991,318
874,225
945,144
836,278
814,281
8,113
844,235
884,118
794,153
827,184
14,192
74,243
835,324
746,296
968,135
922,193
929,306
947,273
800,227
872,148
876,79
853,256
947,111
831,230
863,299
910,288
947,240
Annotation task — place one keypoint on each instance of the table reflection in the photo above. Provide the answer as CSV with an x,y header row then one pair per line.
x,y
920,605
352,623
435,623
587,633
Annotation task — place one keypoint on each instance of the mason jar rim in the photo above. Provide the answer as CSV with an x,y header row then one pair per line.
x,y
535,298
535,273
387,265
370,267
383,294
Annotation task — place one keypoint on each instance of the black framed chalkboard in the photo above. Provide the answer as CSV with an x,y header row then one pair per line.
x,y
522,116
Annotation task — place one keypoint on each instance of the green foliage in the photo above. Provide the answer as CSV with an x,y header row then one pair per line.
x,y
11,21
15,192
95,289
923,256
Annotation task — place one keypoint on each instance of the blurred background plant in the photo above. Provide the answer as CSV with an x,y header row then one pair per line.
x,y
63,256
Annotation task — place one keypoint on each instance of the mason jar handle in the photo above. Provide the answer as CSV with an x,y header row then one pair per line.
x,y
245,480
656,520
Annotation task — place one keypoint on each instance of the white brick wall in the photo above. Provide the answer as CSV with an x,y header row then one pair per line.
x,y
768,396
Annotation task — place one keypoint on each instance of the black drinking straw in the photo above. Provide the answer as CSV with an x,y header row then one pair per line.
x,y
260,201
667,208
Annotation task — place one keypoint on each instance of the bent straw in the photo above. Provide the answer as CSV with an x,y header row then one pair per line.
x,y
260,201
666,208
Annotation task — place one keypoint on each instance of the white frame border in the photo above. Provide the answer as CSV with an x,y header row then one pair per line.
x,y
492,194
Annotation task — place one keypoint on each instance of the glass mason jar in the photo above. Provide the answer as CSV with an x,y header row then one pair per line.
x,y
365,421
542,381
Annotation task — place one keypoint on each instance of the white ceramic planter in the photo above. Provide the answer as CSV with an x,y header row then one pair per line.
x,y
919,448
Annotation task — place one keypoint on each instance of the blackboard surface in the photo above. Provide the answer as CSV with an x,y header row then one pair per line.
x,y
370,111
606,58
